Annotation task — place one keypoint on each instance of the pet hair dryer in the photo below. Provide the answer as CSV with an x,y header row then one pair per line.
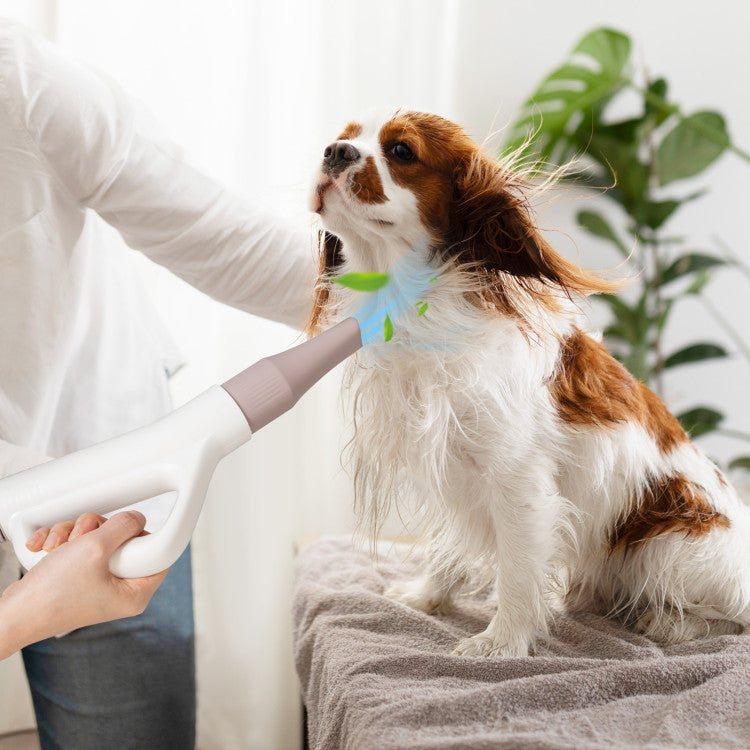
x,y
179,452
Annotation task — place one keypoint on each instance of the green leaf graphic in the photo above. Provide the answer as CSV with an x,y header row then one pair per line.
x,y
363,282
387,329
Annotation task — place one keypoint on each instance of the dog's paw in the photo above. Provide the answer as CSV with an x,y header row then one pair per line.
x,y
669,628
416,595
485,645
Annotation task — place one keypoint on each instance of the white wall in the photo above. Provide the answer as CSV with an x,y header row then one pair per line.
x,y
255,90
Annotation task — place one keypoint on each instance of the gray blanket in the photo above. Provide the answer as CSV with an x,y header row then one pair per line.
x,y
377,675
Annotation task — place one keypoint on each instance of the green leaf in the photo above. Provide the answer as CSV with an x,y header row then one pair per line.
x,y
422,308
616,331
387,329
592,74
741,462
700,420
694,353
363,282
654,213
702,278
597,225
691,146
689,263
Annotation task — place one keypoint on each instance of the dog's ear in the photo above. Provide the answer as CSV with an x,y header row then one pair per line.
x,y
495,231
329,261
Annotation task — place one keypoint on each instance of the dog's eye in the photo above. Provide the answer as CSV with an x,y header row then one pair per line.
x,y
402,152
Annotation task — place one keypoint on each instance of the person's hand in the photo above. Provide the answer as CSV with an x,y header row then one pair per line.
x,y
48,539
73,587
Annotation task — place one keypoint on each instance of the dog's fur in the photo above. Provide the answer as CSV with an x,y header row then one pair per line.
x,y
525,445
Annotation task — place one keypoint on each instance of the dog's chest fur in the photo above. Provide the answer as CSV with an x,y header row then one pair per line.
x,y
454,413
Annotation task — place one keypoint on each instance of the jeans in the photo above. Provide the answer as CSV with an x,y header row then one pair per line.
x,y
122,685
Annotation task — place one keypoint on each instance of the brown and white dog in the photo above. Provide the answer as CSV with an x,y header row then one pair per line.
x,y
525,445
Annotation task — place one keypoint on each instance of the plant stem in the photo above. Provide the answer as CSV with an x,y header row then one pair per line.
x,y
656,311
655,308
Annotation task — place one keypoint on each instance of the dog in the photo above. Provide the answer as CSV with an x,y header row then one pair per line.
x,y
527,448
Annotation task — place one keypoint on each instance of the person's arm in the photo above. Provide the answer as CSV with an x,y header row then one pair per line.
x,y
72,587
89,133
14,458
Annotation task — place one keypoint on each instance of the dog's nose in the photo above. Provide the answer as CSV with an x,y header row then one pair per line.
x,y
340,154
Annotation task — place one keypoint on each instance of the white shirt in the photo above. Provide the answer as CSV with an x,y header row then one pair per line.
x,y
82,355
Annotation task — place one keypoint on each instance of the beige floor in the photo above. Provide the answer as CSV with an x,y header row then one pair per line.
x,y
20,741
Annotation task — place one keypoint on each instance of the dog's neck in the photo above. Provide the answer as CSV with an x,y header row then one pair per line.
x,y
375,252
452,324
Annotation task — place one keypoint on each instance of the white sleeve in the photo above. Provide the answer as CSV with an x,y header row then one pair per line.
x,y
14,458
92,137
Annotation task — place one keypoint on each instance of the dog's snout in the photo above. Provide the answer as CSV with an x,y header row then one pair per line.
x,y
340,154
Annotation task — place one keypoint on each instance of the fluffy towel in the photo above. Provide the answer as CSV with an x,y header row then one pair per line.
x,y
377,675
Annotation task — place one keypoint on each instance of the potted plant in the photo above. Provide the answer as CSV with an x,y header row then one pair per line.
x,y
636,163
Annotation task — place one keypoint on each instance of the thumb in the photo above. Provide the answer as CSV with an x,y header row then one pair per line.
x,y
119,529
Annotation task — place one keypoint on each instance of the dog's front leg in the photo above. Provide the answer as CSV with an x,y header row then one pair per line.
x,y
525,546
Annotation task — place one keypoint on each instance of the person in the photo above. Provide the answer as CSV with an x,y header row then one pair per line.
x,y
83,356
72,586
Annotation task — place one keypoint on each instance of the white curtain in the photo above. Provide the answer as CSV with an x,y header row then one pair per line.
x,y
254,91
